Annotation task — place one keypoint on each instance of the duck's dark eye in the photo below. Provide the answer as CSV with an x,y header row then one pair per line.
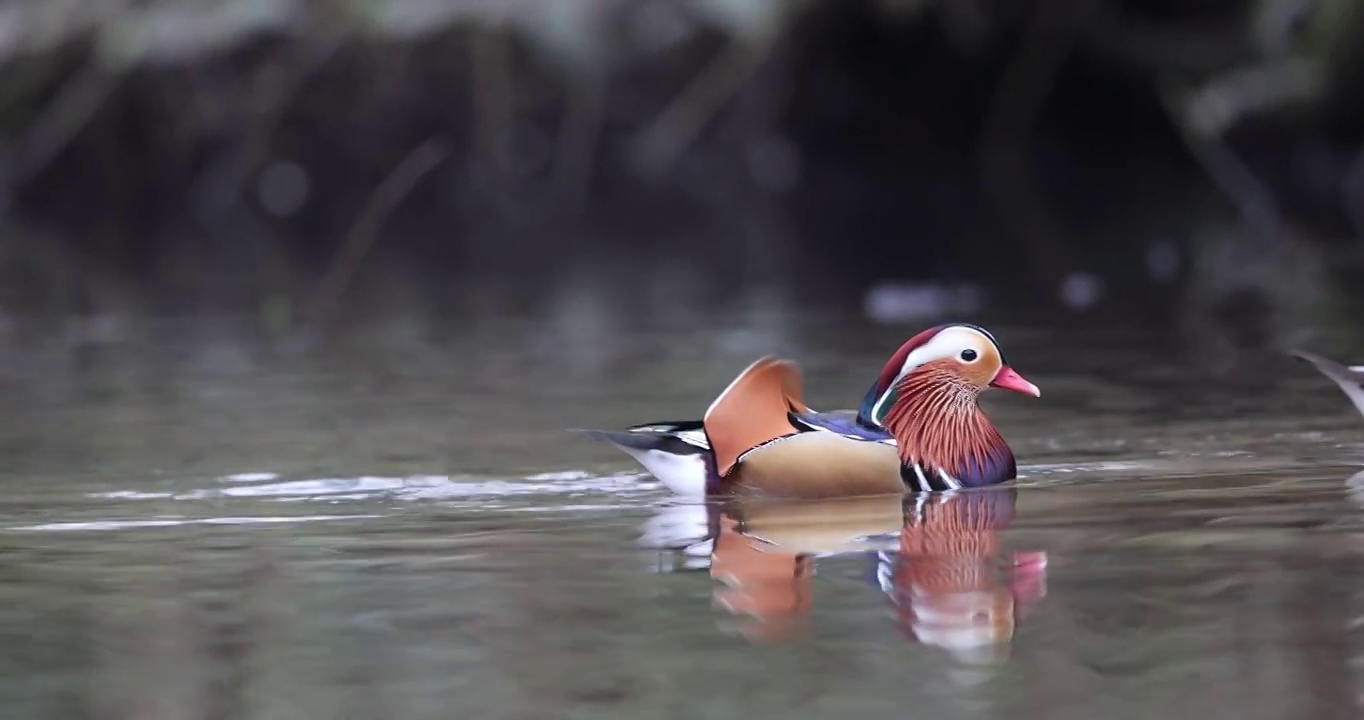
x,y
968,354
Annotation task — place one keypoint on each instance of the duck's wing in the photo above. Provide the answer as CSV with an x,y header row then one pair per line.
x,y
1350,379
843,422
755,409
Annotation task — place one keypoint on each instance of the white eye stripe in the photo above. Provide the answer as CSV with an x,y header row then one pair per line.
x,y
947,344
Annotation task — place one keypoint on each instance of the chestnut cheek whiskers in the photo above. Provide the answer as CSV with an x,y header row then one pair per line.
x,y
938,426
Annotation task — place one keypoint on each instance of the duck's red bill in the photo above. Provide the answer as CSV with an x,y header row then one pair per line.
x,y
1007,379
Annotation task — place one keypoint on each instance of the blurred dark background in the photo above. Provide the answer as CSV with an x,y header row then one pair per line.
x,y
303,161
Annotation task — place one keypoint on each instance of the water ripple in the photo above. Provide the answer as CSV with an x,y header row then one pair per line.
x,y
412,487
174,522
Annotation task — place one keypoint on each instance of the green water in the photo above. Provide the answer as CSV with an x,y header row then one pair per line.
x,y
195,526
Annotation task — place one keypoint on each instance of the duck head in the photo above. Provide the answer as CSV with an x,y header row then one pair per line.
x,y
927,397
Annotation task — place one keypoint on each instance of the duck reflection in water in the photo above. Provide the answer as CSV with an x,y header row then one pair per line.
x,y
938,558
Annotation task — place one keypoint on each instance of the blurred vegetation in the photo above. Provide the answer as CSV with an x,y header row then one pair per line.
x,y
300,157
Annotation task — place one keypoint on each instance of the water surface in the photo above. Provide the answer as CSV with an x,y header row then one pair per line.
x,y
210,528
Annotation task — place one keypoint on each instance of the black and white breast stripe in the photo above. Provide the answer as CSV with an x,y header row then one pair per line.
x,y
917,477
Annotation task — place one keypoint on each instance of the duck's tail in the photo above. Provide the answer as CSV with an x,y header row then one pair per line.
x,y
677,453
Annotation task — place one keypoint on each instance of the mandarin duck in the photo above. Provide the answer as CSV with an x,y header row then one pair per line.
x,y
1349,378
919,428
